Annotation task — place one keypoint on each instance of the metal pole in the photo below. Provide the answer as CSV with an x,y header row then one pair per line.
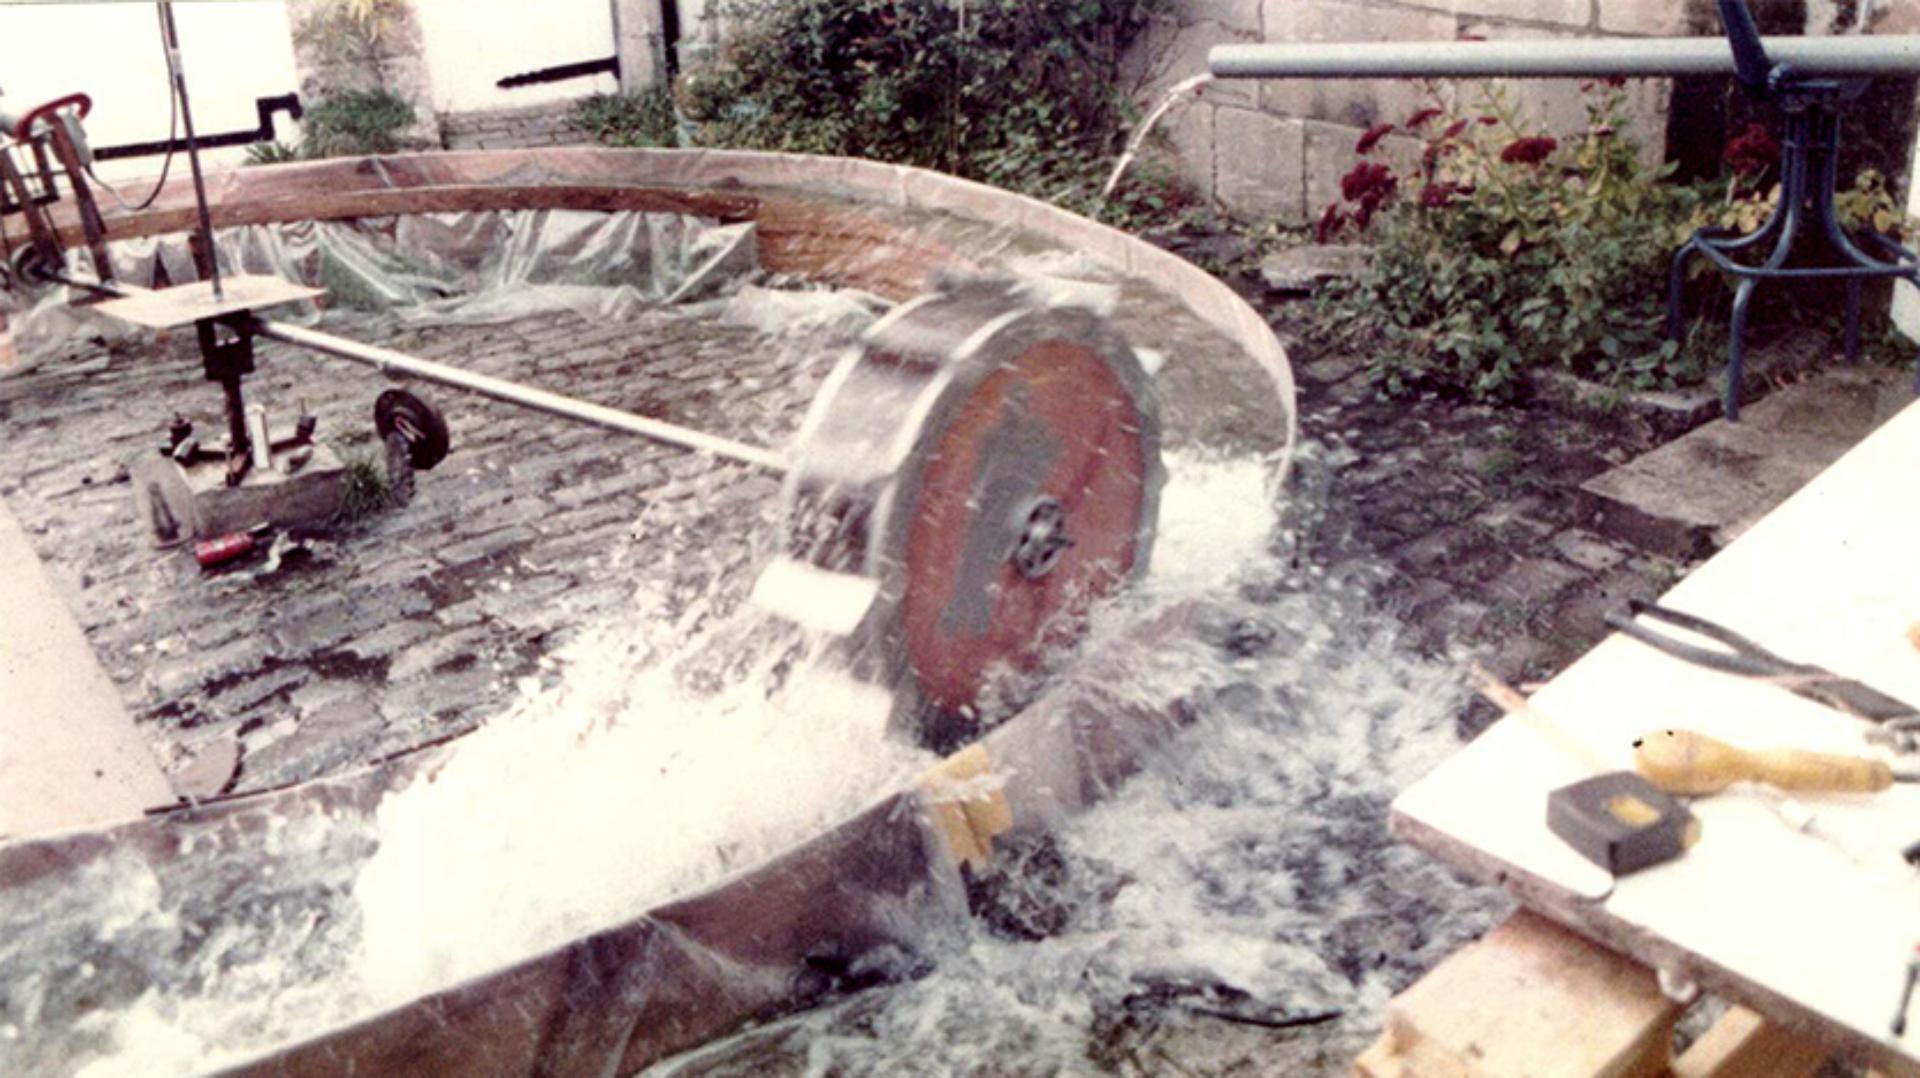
x,y
170,38
1640,57
540,400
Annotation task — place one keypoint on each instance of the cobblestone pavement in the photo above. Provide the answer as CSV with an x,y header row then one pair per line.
x,y
1463,521
1466,520
415,622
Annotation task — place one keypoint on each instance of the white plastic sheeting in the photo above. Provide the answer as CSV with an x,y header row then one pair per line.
x,y
442,268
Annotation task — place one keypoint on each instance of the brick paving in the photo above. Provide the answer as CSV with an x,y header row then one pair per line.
x,y
419,621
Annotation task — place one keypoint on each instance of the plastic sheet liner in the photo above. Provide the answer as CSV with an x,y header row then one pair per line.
x,y
443,268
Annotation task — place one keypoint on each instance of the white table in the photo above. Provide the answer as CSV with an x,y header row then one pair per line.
x,y
1812,930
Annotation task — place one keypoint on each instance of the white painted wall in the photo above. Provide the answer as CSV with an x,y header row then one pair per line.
x,y
1906,299
233,52
472,44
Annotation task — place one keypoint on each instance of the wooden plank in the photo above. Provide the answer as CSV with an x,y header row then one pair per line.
x,y
69,755
1744,1045
1809,927
1530,999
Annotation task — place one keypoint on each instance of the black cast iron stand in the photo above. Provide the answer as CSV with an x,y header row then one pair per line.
x,y
1810,166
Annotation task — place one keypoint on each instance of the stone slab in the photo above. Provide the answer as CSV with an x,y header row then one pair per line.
x,y
1257,164
1724,476
199,503
69,754
1301,269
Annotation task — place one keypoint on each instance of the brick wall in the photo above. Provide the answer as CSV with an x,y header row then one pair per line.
x,y
495,129
1276,149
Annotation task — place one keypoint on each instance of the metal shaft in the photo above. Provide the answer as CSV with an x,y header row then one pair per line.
x,y
599,415
1651,57
170,36
387,359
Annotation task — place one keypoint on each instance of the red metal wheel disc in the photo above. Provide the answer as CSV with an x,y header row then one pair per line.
x,y
1057,424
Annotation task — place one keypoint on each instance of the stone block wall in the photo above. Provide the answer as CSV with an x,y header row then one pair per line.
x,y
331,56
498,129
1275,149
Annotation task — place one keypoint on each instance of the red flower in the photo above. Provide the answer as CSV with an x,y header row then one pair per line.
x,y
1419,119
1528,151
1330,223
1437,196
1368,179
1372,138
1489,121
1435,151
1753,152
1454,129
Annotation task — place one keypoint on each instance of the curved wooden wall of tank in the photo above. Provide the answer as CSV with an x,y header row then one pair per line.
x,y
853,223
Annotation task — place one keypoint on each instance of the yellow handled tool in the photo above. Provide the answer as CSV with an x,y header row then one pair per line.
x,y
1684,762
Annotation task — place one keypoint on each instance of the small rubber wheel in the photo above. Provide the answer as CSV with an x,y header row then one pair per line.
x,y
421,424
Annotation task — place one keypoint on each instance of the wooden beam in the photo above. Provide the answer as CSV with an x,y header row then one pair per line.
x,y
1531,998
1744,1045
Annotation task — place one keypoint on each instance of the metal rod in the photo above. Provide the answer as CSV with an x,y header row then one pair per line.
x,y
1651,57
170,35
599,415
540,400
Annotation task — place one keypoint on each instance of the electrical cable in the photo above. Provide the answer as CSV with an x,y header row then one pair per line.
x,y
173,134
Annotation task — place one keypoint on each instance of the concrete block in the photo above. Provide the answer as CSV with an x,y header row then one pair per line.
x,y
1573,14
1257,164
1242,16
195,502
1169,57
1654,18
1190,130
1355,102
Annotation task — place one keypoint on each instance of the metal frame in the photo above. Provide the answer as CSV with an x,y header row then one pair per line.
x,y
1809,163
1808,78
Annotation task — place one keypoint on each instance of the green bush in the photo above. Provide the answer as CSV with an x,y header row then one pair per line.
x,y
346,123
1502,250
643,119
1018,93
349,123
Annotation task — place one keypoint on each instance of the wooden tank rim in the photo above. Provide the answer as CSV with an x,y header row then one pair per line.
x,y
784,193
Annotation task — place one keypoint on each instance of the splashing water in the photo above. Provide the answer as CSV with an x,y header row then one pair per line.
x,y
1246,875
1180,90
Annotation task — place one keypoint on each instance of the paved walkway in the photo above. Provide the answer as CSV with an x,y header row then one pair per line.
x,y
417,622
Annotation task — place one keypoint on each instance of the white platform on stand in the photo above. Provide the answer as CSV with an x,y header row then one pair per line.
x,y
1811,927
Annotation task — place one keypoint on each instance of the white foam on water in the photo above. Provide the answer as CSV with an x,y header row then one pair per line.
x,y
1217,517
1247,869
590,804
669,757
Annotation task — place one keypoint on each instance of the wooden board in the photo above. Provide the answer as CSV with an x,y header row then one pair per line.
x,y
69,755
1531,999
183,305
1810,929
